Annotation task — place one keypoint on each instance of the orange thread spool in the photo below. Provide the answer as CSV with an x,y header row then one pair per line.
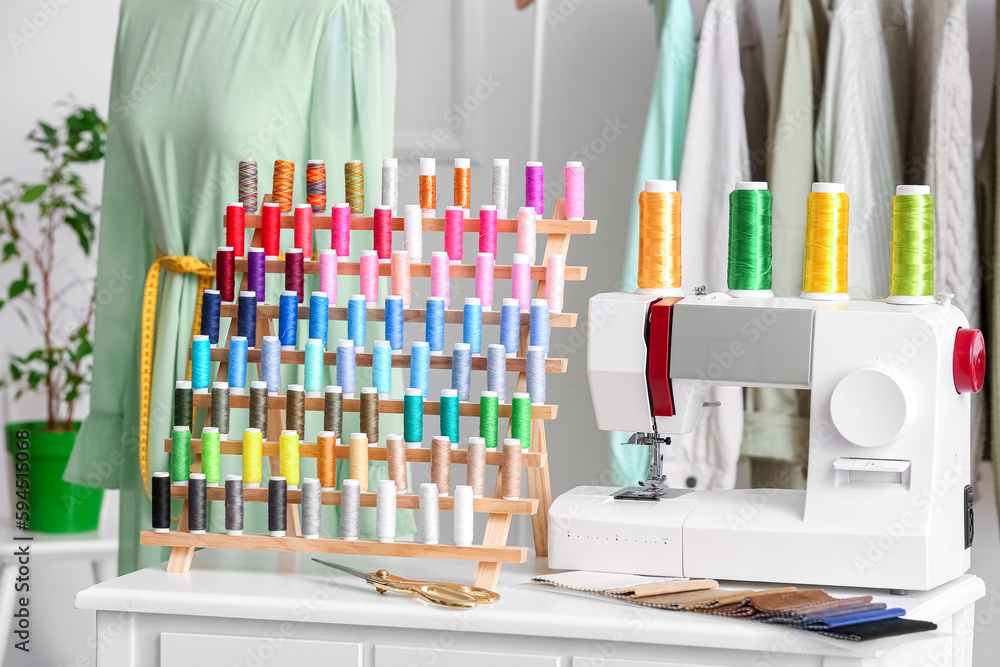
x,y
659,236
463,183
282,183
326,460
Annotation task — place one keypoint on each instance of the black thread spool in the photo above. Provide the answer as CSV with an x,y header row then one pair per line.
x,y
183,403
161,502
277,501
197,503
234,505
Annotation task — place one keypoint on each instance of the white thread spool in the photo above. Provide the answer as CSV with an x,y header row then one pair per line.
x,y
390,183
555,278
350,506
430,529
526,216
463,516
501,185
413,232
385,511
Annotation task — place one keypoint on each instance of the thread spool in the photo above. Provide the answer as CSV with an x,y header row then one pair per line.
x,y
472,324
413,417
282,183
333,410
501,185
400,271
253,456
449,414
346,369
295,410
824,273
510,471
574,191
382,231
385,511
350,508
382,367
312,503
237,365
340,229
225,273
749,267
319,317
489,420
211,306
396,460
369,277
454,226
538,327
520,281
369,413
236,228
413,232
484,279
390,183
270,363
435,323
246,317
428,186
463,183
510,325
277,506
463,516
247,179
316,185
394,322
430,529
197,504
660,239
534,188
488,230
354,186
357,319
270,225
183,403
234,505
220,406
461,370
420,366
912,272
258,405
288,319
555,278
314,367
475,467
441,463
535,362
440,276
161,502
358,462
294,281
304,229
257,273
526,236
520,418
326,459
328,274
496,370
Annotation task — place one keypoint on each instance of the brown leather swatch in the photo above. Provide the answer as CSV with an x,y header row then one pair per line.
x,y
690,600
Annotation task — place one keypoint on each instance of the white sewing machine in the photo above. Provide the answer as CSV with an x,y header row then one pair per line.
x,y
888,501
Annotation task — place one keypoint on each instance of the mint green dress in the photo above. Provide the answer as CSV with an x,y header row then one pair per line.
x,y
196,87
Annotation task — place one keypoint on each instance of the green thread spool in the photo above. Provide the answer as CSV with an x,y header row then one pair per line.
x,y
449,414
180,454
413,417
520,419
750,237
912,272
210,451
183,404
488,408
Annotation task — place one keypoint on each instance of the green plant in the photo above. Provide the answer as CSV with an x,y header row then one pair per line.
x,y
34,217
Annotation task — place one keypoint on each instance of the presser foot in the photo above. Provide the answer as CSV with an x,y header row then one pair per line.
x,y
643,492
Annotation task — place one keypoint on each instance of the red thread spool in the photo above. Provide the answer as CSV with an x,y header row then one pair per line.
x,y
304,229
225,273
271,228
236,228
382,231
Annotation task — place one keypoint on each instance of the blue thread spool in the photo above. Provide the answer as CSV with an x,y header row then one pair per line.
x,y
510,326
382,367
538,326
346,368
413,417
288,319
435,323
201,363
535,362
211,303
449,414
237,365
420,367
461,370
319,317
357,319
314,367
270,364
394,321
496,370
472,324
246,323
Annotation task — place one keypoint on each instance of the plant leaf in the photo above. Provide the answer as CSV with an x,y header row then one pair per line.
x,y
82,223
33,192
9,250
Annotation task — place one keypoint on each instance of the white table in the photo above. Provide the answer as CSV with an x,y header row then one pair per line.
x,y
262,608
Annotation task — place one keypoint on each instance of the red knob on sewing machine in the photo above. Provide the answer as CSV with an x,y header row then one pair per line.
x,y
969,360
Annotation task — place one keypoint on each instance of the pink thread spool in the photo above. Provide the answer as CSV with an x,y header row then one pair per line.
x,y
382,231
304,230
454,223
369,276
574,191
488,230
236,228
526,233
401,275
555,279
341,229
520,281
440,274
484,279
328,274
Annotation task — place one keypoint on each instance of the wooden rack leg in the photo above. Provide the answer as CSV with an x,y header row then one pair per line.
x,y
497,528
181,557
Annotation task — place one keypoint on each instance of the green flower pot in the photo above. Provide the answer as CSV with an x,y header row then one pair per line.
x,y
53,506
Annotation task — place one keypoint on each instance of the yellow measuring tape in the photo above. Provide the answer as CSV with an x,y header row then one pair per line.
x,y
174,264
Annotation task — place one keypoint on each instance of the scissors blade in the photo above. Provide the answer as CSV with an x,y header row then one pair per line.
x,y
343,568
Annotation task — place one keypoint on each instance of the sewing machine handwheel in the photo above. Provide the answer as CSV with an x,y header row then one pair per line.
x,y
969,361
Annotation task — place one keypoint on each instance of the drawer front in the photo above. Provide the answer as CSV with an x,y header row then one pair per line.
x,y
184,649
408,656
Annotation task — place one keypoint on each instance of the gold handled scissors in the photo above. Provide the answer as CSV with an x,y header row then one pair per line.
x,y
435,592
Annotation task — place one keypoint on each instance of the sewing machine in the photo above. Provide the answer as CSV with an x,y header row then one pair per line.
x,y
888,502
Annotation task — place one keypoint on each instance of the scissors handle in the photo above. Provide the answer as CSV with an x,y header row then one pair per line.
x,y
444,594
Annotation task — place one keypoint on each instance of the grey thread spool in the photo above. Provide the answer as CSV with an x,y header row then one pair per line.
x,y
234,505
461,370
463,515
501,185
312,503
220,406
396,458
441,463
390,183
496,370
535,362
277,502
295,410
258,405
197,503
369,413
430,529
385,511
333,410
350,507
475,466
161,502
183,403
511,469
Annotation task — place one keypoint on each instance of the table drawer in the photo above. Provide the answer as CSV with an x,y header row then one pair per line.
x,y
408,656
184,649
